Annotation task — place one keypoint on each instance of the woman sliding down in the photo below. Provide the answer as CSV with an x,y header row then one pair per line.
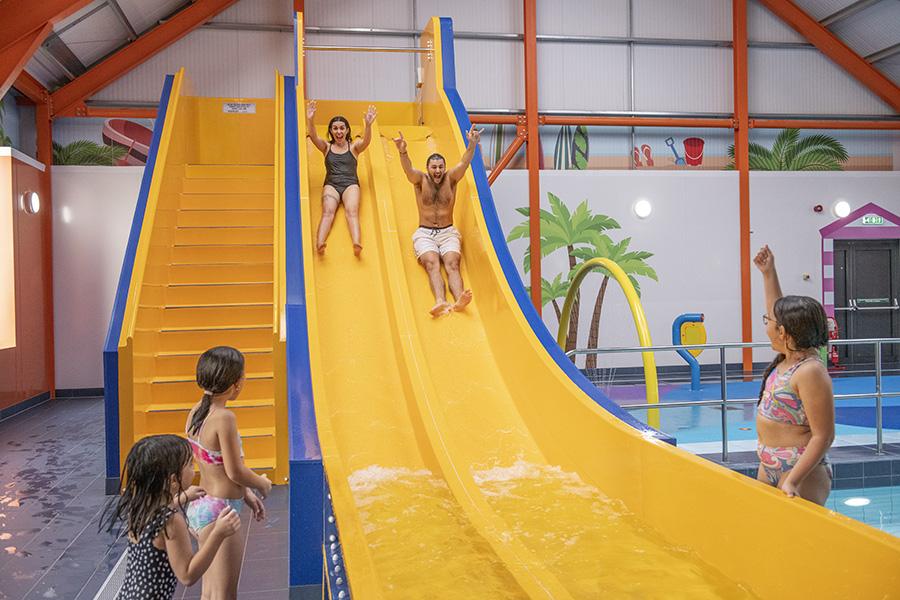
x,y
341,182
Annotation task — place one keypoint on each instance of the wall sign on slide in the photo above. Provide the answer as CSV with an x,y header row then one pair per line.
x,y
242,108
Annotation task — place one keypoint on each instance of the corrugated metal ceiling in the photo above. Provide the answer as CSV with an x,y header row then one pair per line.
x,y
870,27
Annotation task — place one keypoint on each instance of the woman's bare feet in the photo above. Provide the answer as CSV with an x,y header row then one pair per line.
x,y
320,249
463,301
442,307
357,249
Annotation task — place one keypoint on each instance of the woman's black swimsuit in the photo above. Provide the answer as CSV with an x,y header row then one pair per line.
x,y
340,171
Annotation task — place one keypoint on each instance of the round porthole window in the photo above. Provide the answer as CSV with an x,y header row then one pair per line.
x,y
31,202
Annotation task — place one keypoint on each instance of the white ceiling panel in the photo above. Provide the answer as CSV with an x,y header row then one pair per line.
x,y
763,26
144,15
95,37
685,19
873,29
263,12
389,14
583,17
819,9
499,16
78,15
566,82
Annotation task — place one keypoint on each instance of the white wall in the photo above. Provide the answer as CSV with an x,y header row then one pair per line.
x,y
694,235
692,232
781,214
92,213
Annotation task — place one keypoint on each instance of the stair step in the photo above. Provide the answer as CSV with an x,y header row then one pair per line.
x,y
216,236
225,218
196,317
217,273
233,293
246,432
230,201
228,186
229,171
197,341
222,253
260,464
185,365
240,403
185,391
189,378
212,327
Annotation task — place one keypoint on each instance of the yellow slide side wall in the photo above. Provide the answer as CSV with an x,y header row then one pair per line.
x,y
732,522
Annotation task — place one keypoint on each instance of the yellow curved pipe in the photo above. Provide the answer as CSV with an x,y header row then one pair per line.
x,y
640,323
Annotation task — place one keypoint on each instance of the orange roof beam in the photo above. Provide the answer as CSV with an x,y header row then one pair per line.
x,y
21,18
14,58
31,88
68,98
836,50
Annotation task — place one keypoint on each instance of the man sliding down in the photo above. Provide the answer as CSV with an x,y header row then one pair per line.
x,y
436,240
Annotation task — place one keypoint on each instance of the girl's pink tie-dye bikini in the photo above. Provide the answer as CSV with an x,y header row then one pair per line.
x,y
781,404
203,511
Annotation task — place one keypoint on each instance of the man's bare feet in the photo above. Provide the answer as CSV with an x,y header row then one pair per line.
x,y
463,301
442,307
320,249
357,249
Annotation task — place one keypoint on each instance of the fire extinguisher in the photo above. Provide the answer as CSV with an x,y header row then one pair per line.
x,y
834,333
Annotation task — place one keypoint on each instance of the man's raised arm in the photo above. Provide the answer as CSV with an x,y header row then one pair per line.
x,y
413,175
457,172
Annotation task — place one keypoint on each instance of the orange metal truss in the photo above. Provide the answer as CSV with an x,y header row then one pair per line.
x,y
534,157
822,124
742,163
521,136
836,50
14,58
124,112
20,18
31,88
625,121
67,99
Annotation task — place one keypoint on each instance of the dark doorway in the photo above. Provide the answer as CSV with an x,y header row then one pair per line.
x,y
866,293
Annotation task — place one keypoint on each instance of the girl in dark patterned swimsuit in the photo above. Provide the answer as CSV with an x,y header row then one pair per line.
x,y
341,182
158,474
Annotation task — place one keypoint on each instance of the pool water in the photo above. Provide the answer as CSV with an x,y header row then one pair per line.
x,y
878,507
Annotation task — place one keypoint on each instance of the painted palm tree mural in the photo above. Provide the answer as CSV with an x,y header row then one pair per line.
x,y
790,152
583,236
86,152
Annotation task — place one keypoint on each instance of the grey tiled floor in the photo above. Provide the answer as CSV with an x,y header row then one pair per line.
x,y
51,497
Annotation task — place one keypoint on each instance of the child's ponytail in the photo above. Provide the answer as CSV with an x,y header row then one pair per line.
x,y
218,369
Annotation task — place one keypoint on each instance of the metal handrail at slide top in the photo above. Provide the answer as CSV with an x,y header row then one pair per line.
x,y
878,394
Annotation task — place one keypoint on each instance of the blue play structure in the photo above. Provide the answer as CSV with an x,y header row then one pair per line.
x,y
689,358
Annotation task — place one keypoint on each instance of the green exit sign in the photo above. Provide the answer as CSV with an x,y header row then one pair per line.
x,y
873,220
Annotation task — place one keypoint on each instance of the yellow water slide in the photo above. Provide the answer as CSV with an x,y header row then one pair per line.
x,y
463,462
200,271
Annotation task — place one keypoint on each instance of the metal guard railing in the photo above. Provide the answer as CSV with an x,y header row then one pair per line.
x,y
879,394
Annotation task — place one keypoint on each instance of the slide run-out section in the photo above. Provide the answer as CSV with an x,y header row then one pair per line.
x,y
466,459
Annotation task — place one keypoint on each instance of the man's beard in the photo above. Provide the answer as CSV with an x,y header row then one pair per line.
x,y
438,182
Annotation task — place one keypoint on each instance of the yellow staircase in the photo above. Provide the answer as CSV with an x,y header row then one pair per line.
x,y
217,291
205,275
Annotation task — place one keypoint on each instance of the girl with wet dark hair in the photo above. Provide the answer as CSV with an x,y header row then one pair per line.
x,y
213,436
795,412
341,182
157,475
